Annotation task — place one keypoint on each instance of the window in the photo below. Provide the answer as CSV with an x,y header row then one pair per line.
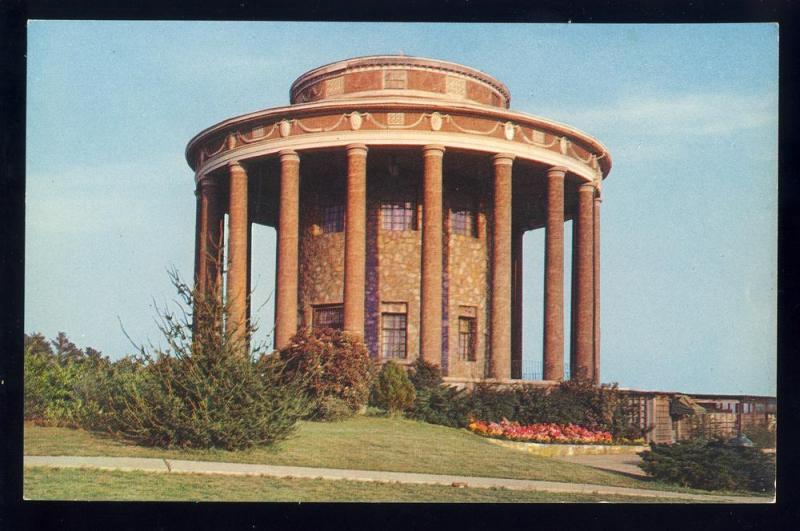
x,y
330,316
466,338
393,335
399,215
333,218
463,221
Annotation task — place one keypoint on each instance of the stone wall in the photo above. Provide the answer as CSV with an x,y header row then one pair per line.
x,y
393,269
399,262
467,276
321,261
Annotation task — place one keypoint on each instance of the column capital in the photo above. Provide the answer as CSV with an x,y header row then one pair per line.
x,y
586,187
503,158
234,164
289,154
361,148
433,150
207,182
557,170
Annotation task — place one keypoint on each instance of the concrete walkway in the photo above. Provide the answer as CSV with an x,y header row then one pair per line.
x,y
624,463
242,469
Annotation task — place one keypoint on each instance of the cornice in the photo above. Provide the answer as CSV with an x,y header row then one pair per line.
x,y
365,105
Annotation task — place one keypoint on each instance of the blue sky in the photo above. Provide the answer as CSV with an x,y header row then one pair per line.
x,y
689,216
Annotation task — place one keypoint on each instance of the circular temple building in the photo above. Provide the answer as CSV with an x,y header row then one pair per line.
x,y
400,189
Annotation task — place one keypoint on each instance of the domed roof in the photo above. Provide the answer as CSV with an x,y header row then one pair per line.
x,y
399,75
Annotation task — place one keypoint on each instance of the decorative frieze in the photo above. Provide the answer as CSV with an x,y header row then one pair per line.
x,y
394,119
355,121
285,128
434,121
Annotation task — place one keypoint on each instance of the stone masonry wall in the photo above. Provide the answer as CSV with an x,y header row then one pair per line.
x,y
321,262
467,287
394,274
399,259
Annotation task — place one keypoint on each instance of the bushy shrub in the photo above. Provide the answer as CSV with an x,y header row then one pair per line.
x,y
332,408
333,364
762,436
443,405
710,465
491,403
393,391
56,383
436,403
105,396
204,390
601,408
425,375
575,402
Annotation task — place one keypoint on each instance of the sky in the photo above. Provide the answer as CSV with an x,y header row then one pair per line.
x,y
689,114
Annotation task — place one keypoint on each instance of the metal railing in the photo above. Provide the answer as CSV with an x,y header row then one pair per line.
x,y
532,370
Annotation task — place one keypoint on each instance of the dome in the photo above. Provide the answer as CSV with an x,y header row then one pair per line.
x,y
399,75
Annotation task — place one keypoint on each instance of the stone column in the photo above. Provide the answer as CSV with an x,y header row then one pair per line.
x,y
355,239
431,294
288,241
582,264
210,233
198,237
554,277
596,284
501,268
237,296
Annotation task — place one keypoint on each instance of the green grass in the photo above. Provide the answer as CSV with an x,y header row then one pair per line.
x,y
94,485
362,442
366,443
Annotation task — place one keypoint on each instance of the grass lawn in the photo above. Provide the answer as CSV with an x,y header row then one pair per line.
x,y
95,485
362,442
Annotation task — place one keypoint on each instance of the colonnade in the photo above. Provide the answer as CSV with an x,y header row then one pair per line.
x,y
584,345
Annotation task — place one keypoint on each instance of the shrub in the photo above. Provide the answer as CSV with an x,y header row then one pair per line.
x,y
332,364
601,408
332,408
435,402
710,465
492,403
393,390
762,436
106,396
425,375
56,384
443,405
204,390
579,402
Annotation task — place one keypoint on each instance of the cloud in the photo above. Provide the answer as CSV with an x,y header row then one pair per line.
x,y
687,114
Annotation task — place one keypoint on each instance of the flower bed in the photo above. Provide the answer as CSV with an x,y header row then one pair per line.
x,y
540,433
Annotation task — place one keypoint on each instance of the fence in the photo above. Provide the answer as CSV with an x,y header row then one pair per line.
x,y
532,369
